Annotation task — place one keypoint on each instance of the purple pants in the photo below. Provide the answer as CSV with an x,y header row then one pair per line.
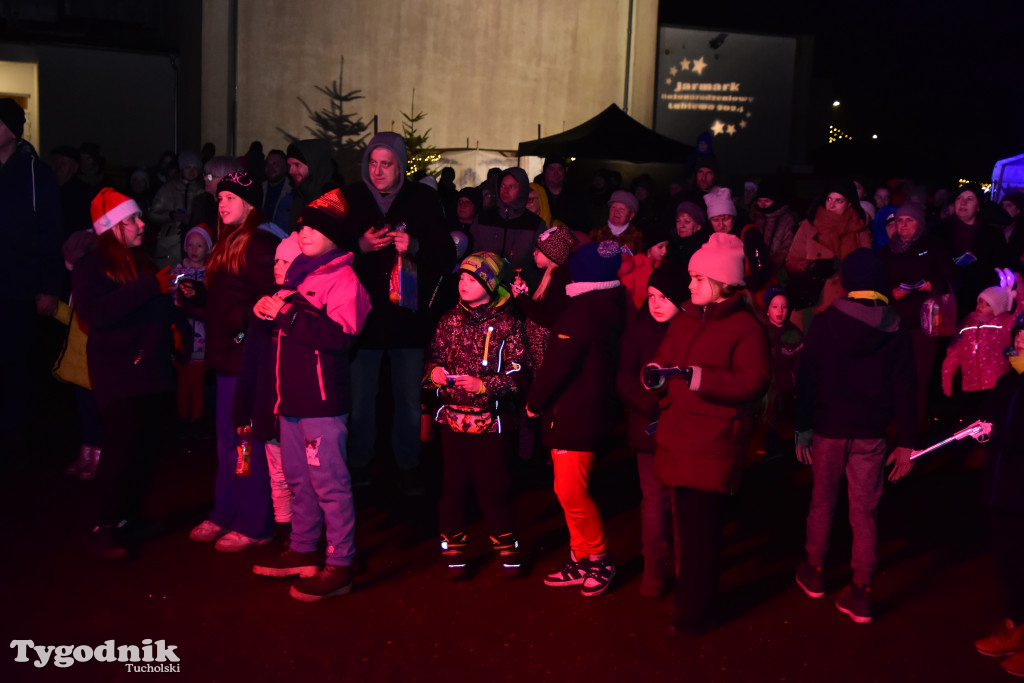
x,y
863,463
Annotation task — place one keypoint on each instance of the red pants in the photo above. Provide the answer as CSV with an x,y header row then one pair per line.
x,y
572,477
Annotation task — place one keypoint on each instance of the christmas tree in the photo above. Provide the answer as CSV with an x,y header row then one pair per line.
x,y
420,154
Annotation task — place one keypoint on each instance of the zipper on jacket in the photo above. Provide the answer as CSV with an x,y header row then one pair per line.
x,y
320,376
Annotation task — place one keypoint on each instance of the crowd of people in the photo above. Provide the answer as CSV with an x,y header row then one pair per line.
x,y
525,318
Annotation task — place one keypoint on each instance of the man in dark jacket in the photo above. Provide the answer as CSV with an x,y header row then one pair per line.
x,y
856,373
509,228
312,174
32,278
392,219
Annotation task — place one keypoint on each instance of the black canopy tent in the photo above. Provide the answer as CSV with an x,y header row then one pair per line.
x,y
612,135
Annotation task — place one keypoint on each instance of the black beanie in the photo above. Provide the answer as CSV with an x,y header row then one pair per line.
x,y
241,183
863,270
672,279
13,116
327,215
474,195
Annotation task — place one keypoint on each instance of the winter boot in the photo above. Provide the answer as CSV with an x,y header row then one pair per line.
x,y
507,547
453,554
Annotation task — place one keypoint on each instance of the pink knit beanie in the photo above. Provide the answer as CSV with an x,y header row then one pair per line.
x,y
721,259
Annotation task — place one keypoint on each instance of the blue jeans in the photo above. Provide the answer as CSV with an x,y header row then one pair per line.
x,y
406,378
313,458
862,460
240,504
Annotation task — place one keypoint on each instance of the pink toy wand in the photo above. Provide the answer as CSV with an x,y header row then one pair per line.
x,y
979,431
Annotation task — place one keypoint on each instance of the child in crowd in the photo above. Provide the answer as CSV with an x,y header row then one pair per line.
x,y
637,269
574,392
977,347
708,415
254,404
667,292
542,308
786,341
190,276
317,317
478,360
72,367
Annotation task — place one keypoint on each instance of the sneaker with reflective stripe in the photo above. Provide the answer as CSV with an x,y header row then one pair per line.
x,y
329,582
598,578
808,577
855,602
289,563
572,573
453,555
1004,641
507,547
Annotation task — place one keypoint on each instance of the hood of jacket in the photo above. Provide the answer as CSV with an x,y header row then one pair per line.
x,y
396,145
517,207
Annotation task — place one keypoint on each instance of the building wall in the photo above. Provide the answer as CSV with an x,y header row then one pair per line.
x,y
486,72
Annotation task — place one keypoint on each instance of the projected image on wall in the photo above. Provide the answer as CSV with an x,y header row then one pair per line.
x,y
736,87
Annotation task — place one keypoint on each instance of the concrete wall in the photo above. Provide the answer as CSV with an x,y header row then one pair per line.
x,y
484,71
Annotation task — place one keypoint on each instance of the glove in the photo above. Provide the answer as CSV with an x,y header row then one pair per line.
x,y
653,375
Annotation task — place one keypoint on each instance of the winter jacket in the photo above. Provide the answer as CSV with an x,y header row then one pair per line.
x,y
485,342
778,227
510,230
391,326
705,425
229,301
828,236
857,374
1003,481
924,259
989,249
639,343
977,351
317,328
574,390
316,154
31,227
129,346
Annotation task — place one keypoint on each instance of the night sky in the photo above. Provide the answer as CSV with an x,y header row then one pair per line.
x,y
941,83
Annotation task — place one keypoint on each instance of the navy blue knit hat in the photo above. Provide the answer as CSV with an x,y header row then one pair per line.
x,y
863,270
596,262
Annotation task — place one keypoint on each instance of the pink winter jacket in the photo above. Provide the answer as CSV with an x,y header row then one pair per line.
x,y
977,351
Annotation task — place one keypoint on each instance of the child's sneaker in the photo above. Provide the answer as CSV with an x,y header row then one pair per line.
x,y
598,578
809,577
453,554
1004,641
329,582
289,563
855,602
572,573
507,547
207,532
234,542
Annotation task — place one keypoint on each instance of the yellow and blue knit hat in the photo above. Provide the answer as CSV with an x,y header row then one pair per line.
x,y
488,268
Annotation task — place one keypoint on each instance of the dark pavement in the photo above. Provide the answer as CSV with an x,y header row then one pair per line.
x,y
935,592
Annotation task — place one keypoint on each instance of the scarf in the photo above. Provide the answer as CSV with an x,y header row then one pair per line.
x,y
838,232
303,265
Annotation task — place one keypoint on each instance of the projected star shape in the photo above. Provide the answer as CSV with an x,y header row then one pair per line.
x,y
717,127
685,65
673,70
699,65
730,129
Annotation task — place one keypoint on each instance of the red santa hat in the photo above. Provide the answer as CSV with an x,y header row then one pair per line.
x,y
109,208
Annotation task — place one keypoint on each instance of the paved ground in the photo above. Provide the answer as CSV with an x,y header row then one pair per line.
x,y
404,622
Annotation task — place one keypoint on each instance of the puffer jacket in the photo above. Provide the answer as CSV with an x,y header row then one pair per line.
x,y
316,328
486,342
705,426
977,352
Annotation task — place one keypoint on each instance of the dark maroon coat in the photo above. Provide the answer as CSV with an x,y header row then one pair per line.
x,y
704,433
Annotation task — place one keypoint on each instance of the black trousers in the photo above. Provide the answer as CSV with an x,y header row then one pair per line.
x,y
478,462
1007,537
131,433
698,516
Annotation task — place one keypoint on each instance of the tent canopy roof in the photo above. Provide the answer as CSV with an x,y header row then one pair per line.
x,y
613,135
